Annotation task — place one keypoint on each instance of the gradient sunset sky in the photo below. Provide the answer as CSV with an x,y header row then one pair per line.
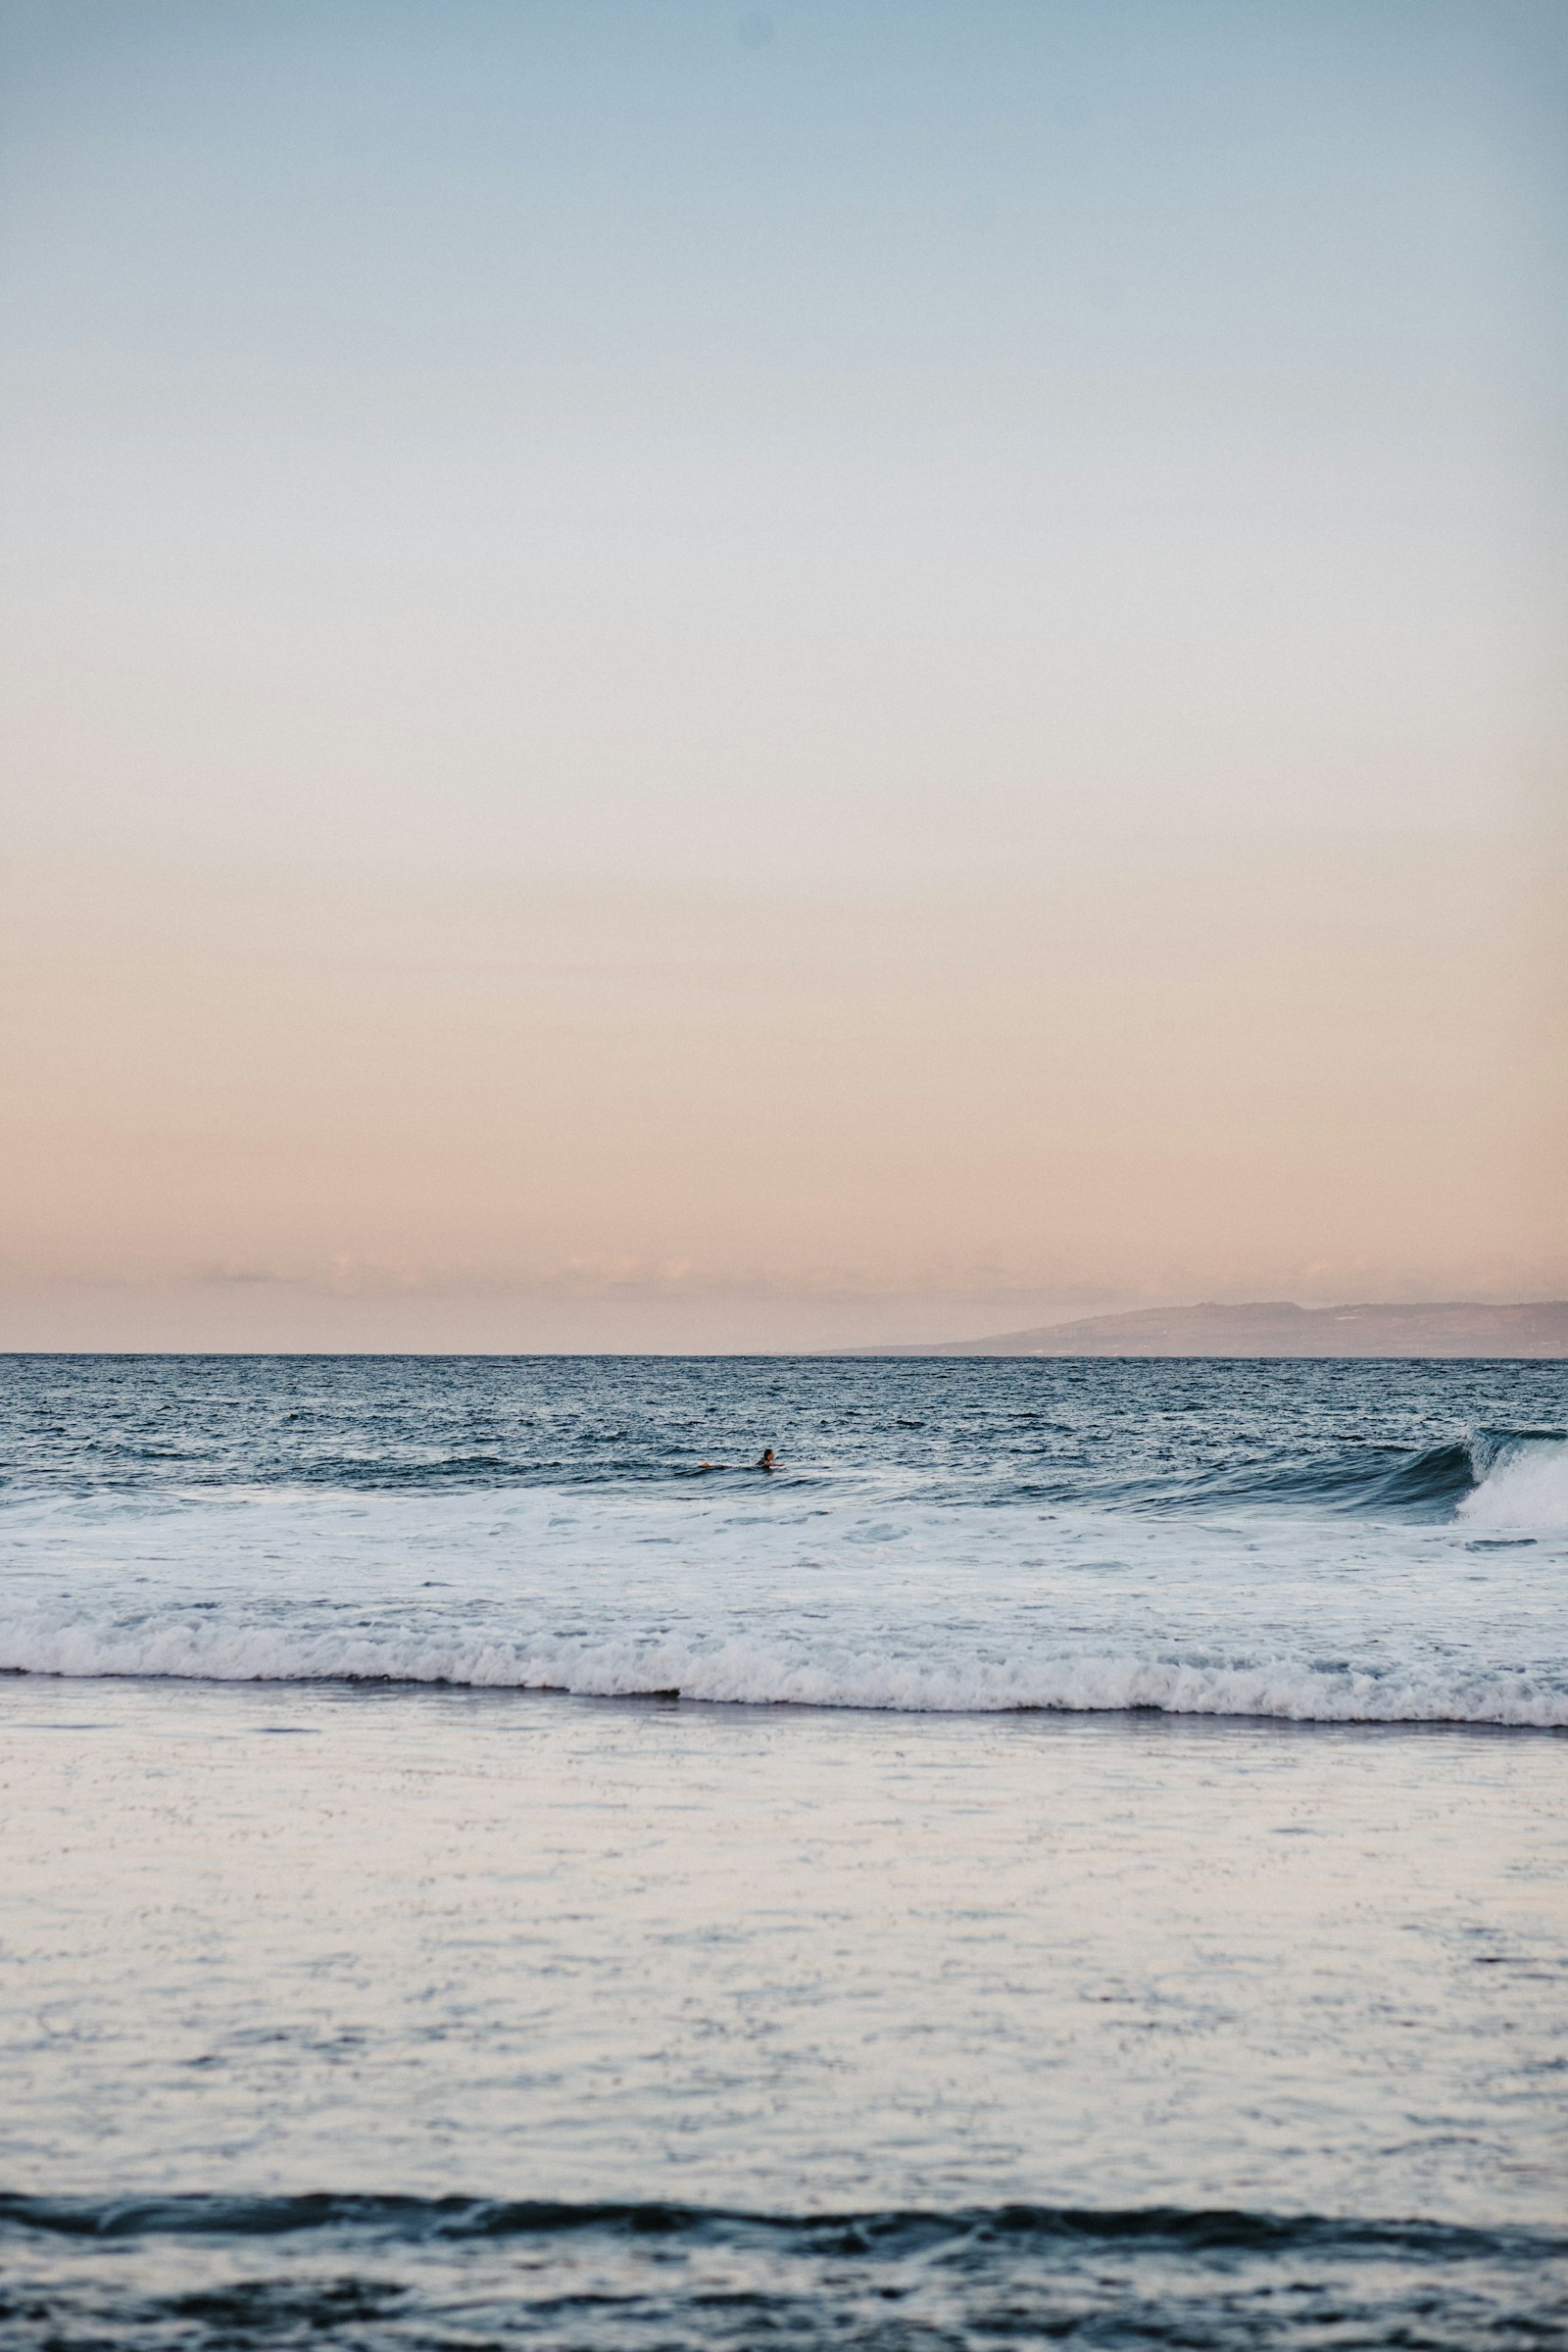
x,y
691,675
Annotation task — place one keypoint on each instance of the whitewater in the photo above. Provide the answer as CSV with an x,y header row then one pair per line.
x,y
1335,1543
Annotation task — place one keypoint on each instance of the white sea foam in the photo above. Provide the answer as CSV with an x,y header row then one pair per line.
x,y
1526,1487
751,1672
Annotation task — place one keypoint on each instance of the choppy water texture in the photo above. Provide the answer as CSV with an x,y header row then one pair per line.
x,y
396,2274
1145,1926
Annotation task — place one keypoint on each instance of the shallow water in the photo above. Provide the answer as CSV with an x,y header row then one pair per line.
x,y
390,2012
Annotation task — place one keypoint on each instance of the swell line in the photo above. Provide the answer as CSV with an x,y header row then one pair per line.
x,y
457,2218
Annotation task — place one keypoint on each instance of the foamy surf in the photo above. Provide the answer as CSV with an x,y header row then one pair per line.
x,y
1523,1485
748,1673
1308,1545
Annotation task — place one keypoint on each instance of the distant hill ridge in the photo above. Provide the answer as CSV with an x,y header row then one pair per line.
x,y
1279,1327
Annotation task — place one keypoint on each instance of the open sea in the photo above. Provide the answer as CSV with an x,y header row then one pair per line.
x,y
1078,1855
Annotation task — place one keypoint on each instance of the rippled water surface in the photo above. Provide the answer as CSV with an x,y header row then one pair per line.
x,y
422,1924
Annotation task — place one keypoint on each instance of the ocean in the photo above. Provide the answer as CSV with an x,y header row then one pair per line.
x,y
1076,1854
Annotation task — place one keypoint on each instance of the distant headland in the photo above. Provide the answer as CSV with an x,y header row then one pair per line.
x,y
1278,1327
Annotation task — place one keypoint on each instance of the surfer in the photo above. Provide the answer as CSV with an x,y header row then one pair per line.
x,y
767,1463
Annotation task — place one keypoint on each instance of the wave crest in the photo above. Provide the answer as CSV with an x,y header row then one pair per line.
x,y
748,1672
1522,1482
1526,1470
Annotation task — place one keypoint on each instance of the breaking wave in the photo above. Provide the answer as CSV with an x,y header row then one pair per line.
x,y
752,1672
1522,1483
1499,1476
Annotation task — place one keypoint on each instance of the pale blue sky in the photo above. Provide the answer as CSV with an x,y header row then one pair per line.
x,y
929,264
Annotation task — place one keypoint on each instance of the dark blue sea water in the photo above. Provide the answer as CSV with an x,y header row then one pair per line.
x,y
1408,1437
1076,1854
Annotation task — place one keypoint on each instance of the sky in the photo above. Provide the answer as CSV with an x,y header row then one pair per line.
x,y
692,676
